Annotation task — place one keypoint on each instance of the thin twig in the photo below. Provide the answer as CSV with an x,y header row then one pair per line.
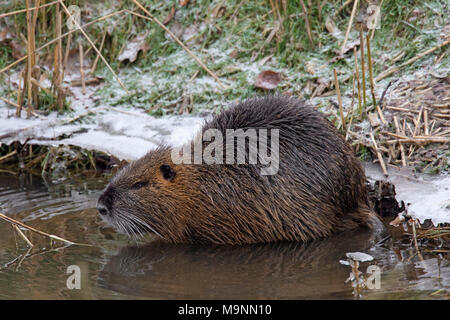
x,y
380,157
308,26
25,10
93,46
417,57
8,155
402,149
23,236
338,91
94,65
83,83
369,62
212,74
350,23
51,236
384,94
357,80
363,67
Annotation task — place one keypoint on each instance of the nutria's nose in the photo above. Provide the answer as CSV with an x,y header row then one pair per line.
x,y
104,203
102,209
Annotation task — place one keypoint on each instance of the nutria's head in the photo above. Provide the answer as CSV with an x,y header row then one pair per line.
x,y
149,195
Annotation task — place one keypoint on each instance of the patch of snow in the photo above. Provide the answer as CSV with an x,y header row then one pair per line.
x,y
424,198
116,131
359,256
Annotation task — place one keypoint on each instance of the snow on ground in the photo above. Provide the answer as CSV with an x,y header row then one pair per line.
x,y
116,131
424,197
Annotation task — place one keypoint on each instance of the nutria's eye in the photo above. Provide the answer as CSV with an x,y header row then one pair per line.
x,y
139,185
167,172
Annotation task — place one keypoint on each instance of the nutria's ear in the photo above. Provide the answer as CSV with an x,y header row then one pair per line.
x,y
167,172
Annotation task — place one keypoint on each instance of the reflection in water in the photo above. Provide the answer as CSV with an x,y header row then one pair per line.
x,y
278,270
117,269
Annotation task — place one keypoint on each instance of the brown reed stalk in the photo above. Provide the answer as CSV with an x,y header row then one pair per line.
x,y
29,66
94,65
35,71
307,23
363,67
20,94
64,35
350,23
44,16
66,53
273,9
402,149
83,83
380,157
358,81
369,61
58,70
338,92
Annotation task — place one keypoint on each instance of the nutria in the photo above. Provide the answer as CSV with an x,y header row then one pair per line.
x,y
319,187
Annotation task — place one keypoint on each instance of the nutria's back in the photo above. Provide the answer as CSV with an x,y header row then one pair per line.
x,y
318,187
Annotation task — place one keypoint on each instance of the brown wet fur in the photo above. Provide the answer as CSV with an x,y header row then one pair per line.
x,y
319,189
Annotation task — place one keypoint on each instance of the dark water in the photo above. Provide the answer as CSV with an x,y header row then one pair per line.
x,y
115,268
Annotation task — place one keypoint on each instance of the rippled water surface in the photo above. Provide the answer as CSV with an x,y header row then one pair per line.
x,y
115,268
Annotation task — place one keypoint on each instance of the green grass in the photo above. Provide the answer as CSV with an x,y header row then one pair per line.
x,y
160,79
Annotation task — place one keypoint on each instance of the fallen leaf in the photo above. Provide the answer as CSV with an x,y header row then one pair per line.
x,y
184,3
5,35
133,47
268,80
331,27
233,54
8,39
170,16
310,67
322,84
348,46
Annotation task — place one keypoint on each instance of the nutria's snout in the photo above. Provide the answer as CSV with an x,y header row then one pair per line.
x,y
104,203
102,209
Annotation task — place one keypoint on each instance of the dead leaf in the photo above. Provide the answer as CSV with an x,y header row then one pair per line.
x,y
310,67
170,16
5,35
133,47
8,39
348,46
322,85
331,27
264,60
184,3
268,80
233,54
